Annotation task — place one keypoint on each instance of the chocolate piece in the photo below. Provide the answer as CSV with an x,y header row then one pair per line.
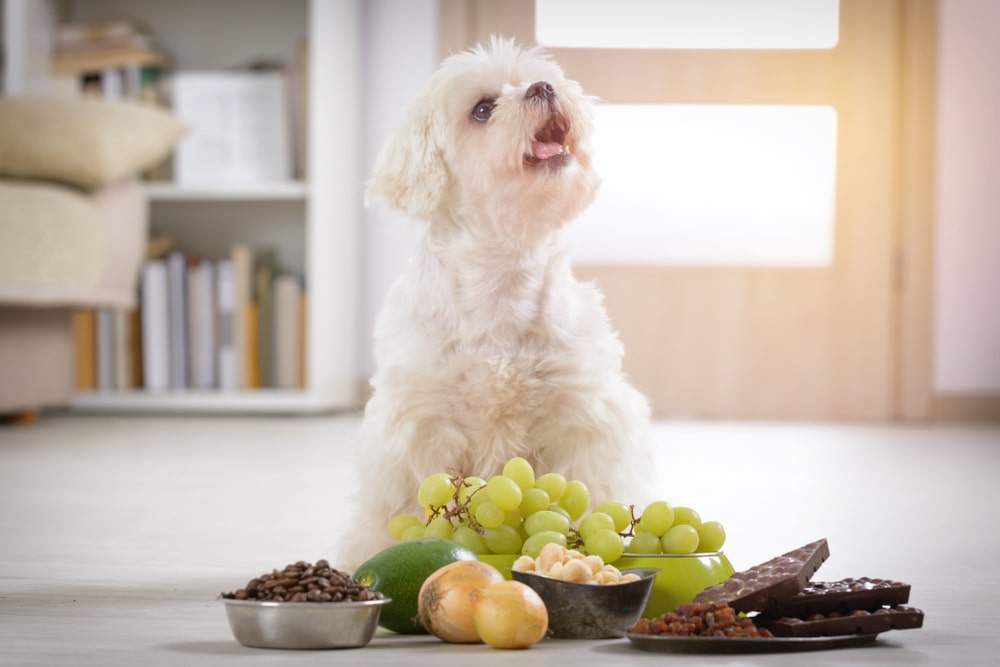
x,y
857,622
843,596
757,588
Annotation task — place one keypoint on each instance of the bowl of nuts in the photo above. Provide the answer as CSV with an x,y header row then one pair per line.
x,y
303,606
585,598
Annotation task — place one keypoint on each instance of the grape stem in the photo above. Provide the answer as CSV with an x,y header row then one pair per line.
x,y
458,511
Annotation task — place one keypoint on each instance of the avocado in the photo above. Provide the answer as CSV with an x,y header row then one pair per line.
x,y
399,571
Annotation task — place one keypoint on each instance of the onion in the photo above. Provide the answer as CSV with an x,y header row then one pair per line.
x,y
509,614
445,599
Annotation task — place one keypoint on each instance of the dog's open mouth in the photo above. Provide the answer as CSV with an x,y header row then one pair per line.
x,y
550,141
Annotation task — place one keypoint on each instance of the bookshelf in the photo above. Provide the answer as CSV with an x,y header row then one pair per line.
x,y
311,223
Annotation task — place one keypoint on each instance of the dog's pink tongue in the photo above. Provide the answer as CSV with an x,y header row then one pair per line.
x,y
543,150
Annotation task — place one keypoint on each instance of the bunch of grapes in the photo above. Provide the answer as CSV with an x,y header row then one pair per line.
x,y
516,513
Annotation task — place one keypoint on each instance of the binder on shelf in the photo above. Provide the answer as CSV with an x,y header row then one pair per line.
x,y
155,323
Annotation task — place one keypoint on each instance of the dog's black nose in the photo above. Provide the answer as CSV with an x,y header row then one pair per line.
x,y
540,89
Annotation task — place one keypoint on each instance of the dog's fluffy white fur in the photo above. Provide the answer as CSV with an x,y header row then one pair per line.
x,y
487,348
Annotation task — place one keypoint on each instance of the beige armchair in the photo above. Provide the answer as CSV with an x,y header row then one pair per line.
x,y
73,229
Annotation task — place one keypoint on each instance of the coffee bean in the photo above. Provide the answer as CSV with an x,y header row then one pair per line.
x,y
304,582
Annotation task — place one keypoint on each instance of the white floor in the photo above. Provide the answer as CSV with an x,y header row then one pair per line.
x,y
117,534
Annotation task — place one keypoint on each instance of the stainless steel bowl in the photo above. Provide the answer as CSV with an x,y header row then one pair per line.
x,y
303,625
591,611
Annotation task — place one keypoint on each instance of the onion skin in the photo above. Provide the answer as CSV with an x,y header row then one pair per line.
x,y
445,599
509,615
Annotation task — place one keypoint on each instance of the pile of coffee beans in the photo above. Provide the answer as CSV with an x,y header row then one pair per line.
x,y
304,582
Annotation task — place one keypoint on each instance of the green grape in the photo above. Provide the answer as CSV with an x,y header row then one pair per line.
x,y
711,536
401,522
439,528
533,545
559,510
657,518
595,521
686,515
645,543
605,543
576,499
534,500
519,470
546,521
478,498
681,539
553,484
469,538
513,518
436,490
503,540
412,533
504,492
469,486
620,512
488,515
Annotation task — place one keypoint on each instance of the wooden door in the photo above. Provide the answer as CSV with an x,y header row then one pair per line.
x,y
816,342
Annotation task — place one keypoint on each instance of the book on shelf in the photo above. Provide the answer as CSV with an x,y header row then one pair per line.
x,y
287,335
155,325
225,297
85,347
177,333
196,298
202,316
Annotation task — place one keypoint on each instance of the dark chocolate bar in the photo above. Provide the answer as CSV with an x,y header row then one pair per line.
x,y
759,587
835,624
843,596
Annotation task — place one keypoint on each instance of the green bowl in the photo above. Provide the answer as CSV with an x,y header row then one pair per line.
x,y
502,562
681,576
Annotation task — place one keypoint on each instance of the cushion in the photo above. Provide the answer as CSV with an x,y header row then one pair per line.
x,y
88,143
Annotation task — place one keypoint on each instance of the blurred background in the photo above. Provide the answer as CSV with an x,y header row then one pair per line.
x,y
797,221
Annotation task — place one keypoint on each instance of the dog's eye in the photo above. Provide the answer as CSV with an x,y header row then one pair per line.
x,y
481,112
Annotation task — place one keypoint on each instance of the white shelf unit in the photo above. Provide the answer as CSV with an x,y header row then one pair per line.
x,y
312,225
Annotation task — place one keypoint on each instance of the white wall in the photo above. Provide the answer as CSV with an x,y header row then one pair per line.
x,y
967,280
401,51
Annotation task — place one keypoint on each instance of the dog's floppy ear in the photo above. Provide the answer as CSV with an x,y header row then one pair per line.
x,y
410,173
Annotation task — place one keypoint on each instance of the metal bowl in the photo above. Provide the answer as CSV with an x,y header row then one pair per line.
x,y
591,611
303,625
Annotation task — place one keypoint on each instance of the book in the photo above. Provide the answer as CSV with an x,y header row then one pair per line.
x,y
287,323
85,346
105,349
155,323
98,61
241,258
263,293
121,343
240,127
202,324
225,293
177,319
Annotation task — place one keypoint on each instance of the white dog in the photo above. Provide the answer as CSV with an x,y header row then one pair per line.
x,y
487,348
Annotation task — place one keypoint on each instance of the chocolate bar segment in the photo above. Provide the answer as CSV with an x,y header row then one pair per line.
x,y
843,596
856,622
759,587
